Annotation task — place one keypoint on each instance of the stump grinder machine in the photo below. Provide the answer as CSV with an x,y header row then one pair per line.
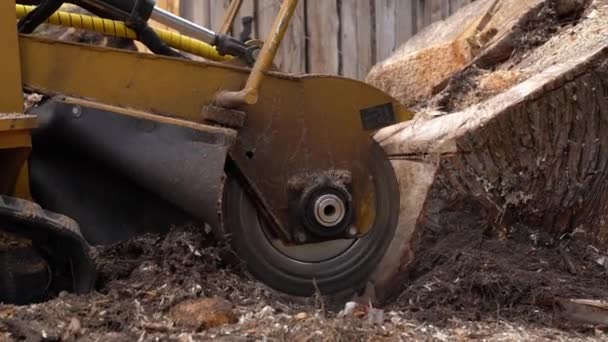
x,y
125,142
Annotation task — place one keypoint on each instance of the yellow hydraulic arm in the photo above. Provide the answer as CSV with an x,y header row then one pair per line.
x,y
119,29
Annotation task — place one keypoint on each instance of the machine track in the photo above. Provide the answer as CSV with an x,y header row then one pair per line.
x,y
41,253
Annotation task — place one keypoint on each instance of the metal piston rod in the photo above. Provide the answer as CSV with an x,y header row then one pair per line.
x,y
183,26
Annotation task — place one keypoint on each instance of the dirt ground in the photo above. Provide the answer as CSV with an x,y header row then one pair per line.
x,y
472,285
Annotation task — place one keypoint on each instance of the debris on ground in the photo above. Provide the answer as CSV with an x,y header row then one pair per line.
x,y
177,288
203,313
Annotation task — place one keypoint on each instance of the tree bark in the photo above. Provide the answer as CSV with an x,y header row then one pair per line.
x,y
533,154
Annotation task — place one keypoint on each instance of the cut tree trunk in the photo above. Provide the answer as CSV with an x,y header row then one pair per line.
x,y
529,149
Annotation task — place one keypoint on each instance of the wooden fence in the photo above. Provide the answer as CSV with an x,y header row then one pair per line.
x,y
345,37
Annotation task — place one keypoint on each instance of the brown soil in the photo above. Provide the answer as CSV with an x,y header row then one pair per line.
x,y
477,274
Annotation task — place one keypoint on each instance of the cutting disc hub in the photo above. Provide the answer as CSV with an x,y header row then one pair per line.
x,y
329,210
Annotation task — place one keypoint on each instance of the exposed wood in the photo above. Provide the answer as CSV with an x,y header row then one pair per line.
x,y
532,154
356,19
323,36
584,311
424,63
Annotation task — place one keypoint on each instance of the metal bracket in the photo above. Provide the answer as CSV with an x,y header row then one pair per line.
x,y
249,94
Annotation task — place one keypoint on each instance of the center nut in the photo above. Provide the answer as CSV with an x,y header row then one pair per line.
x,y
321,206
328,212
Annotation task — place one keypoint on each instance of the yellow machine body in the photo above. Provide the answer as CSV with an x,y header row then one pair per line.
x,y
15,146
15,127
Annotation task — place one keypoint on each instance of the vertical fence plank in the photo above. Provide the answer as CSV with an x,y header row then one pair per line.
x,y
445,9
356,38
435,5
217,10
424,13
385,28
247,10
336,39
427,12
420,5
456,4
406,20
291,56
266,11
323,31
294,47
196,11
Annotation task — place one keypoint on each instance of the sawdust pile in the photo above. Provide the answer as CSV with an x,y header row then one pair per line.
x,y
143,280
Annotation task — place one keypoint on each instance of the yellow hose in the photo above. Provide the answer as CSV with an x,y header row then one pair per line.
x,y
119,29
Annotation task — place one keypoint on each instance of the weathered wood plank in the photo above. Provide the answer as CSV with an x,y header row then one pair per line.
x,y
335,42
196,11
217,10
291,56
406,21
435,6
356,49
427,12
385,28
323,36
294,47
445,9
456,4
247,10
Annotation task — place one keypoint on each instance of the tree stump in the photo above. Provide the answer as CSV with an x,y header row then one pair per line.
x,y
514,134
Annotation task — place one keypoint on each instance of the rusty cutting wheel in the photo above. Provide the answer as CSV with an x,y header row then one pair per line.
x,y
338,266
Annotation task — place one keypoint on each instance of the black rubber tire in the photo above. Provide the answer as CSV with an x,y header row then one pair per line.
x,y
341,276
